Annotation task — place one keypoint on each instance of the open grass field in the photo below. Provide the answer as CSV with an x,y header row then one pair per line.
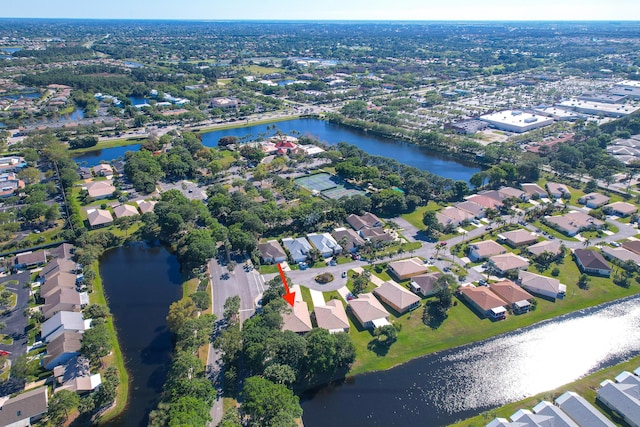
x,y
415,218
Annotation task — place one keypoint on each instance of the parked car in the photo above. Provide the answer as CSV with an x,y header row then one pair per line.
x,y
344,274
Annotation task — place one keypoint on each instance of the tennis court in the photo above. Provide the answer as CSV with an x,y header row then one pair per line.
x,y
317,182
341,191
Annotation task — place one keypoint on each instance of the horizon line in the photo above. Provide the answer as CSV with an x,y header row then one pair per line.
x,y
515,20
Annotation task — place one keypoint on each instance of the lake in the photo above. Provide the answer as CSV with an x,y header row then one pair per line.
x,y
92,158
331,134
441,388
140,282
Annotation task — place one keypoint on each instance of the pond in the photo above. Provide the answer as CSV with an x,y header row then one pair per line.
x,y
329,133
332,134
140,282
441,388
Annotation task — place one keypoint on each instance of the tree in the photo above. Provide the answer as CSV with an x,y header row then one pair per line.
x,y
201,299
179,312
96,343
29,175
231,418
232,309
269,405
386,335
583,281
60,405
227,140
280,374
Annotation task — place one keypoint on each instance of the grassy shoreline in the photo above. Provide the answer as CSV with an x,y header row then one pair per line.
x,y
122,396
463,326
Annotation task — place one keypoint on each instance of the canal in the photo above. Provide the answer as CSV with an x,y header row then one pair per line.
x,y
441,388
140,282
330,134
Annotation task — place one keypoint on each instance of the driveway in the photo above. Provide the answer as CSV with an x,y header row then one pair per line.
x,y
15,320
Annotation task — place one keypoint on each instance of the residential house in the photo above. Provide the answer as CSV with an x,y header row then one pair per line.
x,y
474,209
620,209
513,294
553,247
297,319
325,243
298,248
99,218
81,384
530,419
103,169
9,183
620,254
510,192
632,245
542,285
503,422
484,301
11,164
376,235
573,222
55,282
118,167
271,252
63,348
452,216
560,419
58,265
368,220
85,173
503,263
425,284
594,200
518,238
485,249
125,210
407,268
332,317
64,299
397,297
558,191
146,206
64,321
30,259
24,409
483,200
591,262
100,189
533,190
64,250
369,311
622,399
496,195
581,411
348,239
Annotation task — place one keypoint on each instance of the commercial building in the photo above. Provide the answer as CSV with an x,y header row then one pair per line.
x,y
598,108
516,121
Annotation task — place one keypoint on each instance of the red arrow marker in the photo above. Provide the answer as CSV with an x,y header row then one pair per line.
x,y
288,296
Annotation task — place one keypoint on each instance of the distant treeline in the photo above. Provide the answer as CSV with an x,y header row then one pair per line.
x,y
56,53
89,79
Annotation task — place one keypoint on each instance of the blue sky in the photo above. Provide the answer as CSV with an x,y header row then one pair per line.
x,y
327,9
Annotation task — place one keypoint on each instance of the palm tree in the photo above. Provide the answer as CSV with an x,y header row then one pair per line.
x,y
586,243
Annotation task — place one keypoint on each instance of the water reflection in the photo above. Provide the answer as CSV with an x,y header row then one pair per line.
x,y
463,382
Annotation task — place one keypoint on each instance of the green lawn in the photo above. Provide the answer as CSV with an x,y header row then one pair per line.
x,y
306,297
415,218
552,232
586,387
6,339
464,326
268,269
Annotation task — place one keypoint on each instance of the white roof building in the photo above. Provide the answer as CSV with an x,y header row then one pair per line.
x,y
516,121
325,243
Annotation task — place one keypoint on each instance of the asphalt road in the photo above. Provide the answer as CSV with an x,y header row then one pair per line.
x,y
15,320
249,286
